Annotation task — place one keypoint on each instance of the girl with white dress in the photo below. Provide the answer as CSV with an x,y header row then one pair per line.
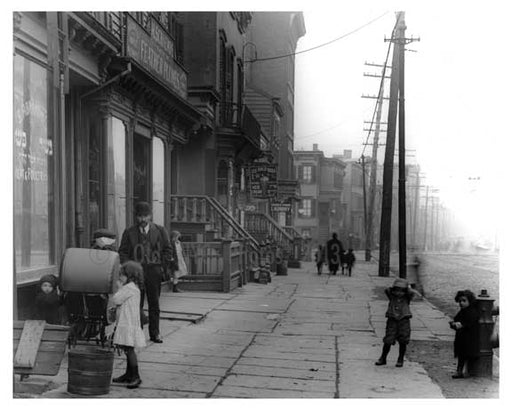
x,y
179,267
128,334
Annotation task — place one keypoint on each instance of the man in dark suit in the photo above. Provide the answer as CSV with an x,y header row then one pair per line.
x,y
148,243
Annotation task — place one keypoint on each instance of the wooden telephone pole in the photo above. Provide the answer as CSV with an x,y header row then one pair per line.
x,y
396,97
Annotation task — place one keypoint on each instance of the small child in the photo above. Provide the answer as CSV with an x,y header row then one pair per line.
x,y
47,303
349,259
319,259
465,324
398,325
128,334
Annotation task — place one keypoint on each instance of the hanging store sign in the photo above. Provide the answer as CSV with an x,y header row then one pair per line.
x,y
263,180
155,53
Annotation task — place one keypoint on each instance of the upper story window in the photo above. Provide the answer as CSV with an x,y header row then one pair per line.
x,y
306,208
307,173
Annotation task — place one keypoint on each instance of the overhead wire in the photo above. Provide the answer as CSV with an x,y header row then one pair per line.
x,y
320,45
381,90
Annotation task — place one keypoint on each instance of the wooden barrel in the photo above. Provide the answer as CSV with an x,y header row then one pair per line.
x,y
90,370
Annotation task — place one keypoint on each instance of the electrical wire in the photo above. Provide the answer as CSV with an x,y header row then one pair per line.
x,y
321,45
381,90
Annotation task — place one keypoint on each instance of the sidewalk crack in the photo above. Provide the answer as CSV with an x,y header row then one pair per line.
x,y
228,372
337,387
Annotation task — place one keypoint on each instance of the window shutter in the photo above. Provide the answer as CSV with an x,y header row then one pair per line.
x,y
313,174
313,208
301,172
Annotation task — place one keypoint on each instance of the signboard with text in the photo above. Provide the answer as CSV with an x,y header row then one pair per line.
x,y
281,207
263,180
154,50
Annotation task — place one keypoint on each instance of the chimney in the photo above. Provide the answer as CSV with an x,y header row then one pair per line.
x,y
315,147
347,154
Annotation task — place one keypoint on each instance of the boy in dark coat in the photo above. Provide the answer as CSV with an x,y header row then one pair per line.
x,y
319,259
465,324
398,325
47,303
349,259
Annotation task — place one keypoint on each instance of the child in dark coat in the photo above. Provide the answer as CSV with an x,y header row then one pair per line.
x,y
349,261
465,324
319,258
47,303
398,325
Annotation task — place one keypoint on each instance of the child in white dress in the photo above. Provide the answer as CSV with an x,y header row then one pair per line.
x,y
128,334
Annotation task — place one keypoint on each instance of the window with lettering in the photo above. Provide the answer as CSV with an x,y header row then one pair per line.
x,y
33,151
116,193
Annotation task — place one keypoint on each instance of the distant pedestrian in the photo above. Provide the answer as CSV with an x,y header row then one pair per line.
x,y
48,301
178,267
334,253
465,324
398,325
349,258
148,243
319,259
128,334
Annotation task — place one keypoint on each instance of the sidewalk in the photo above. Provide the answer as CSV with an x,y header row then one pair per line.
x,y
302,335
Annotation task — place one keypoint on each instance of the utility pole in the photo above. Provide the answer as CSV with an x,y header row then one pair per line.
x,y
365,218
415,210
373,174
387,183
397,90
426,220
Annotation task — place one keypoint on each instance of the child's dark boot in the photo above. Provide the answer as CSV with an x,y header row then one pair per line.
x,y
401,354
125,378
135,381
384,355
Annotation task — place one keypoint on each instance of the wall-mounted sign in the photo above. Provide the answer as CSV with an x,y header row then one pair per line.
x,y
281,207
155,52
263,180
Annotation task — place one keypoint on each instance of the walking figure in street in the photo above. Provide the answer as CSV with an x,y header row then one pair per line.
x,y
398,325
148,243
128,334
349,259
465,324
334,253
178,266
319,258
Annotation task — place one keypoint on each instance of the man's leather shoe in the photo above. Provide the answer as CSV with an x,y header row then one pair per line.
x,y
156,340
134,383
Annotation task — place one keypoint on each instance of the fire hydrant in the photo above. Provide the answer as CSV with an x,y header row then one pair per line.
x,y
482,366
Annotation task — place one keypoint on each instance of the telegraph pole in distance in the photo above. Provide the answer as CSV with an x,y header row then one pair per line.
x,y
365,216
426,222
373,174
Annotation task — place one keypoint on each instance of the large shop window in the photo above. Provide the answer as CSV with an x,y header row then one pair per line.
x,y
116,177
33,152
141,170
158,181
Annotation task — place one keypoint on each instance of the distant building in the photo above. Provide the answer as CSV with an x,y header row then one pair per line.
x,y
320,211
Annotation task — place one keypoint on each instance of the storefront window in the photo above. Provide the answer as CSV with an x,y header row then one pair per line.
x,y
95,179
158,181
33,152
116,191
141,182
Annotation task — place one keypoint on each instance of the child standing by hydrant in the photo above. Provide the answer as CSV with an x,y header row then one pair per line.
x,y
398,325
128,334
465,324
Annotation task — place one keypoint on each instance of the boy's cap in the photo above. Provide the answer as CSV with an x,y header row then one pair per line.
x,y
51,279
142,209
103,233
400,283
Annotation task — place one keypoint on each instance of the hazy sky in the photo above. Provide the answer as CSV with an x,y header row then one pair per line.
x,y
457,84
457,87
